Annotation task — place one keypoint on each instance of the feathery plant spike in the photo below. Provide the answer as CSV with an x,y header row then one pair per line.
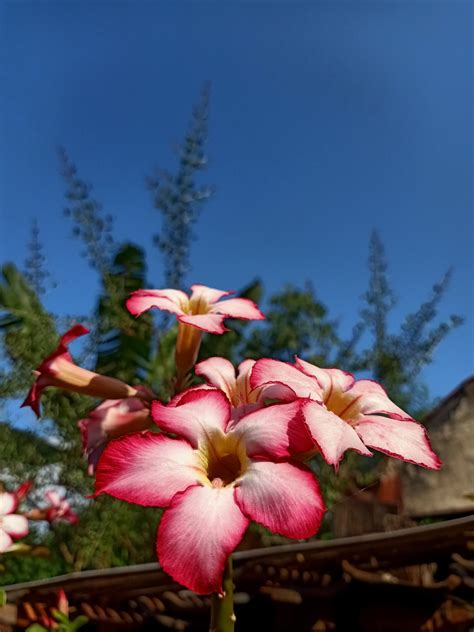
x,y
397,359
90,224
35,271
179,198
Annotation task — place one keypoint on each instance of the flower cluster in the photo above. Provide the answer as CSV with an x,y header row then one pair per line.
x,y
14,523
232,450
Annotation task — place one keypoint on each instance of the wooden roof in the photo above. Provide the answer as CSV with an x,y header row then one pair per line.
x,y
419,573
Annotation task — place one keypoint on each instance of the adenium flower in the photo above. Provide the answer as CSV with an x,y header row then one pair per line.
x,y
220,373
59,370
213,478
202,311
111,419
342,412
63,608
58,509
11,525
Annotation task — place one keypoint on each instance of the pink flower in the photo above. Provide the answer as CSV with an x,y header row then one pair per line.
x,y
204,309
59,370
220,373
59,509
11,525
63,608
111,419
213,478
343,413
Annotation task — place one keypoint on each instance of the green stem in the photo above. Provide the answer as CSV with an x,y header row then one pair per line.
x,y
222,606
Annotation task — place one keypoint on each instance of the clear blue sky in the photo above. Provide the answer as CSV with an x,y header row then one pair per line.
x,y
327,120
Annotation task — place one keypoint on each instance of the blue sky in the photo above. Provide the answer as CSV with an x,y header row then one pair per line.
x,y
327,120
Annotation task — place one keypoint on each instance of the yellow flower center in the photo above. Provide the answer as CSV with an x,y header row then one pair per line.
x,y
198,306
342,404
223,458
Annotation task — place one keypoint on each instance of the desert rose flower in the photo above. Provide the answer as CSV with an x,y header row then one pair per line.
x,y
58,509
204,310
342,412
59,370
11,525
63,608
213,478
221,374
111,419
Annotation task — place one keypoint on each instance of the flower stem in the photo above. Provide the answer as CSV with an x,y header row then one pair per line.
x,y
222,606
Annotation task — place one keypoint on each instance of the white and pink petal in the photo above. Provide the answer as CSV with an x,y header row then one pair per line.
x,y
16,526
218,372
372,399
5,541
197,534
173,301
284,497
238,308
332,435
268,371
147,469
330,380
201,294
8,503
406,440
203,412
274,432
212,323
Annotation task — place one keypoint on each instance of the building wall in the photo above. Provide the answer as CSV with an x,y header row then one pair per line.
x,y
451,430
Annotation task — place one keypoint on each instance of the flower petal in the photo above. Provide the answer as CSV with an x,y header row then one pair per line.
x,y
212,323
8,503
5,541
197,534
202,412
187,396
219,372
173,301
238,308
372,399
402,439
284,497
329,379
147,469
53,497
275,431
202,293
76,331
267,371
332,435
15,526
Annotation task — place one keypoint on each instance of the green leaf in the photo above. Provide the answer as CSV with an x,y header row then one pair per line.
x,y
78,622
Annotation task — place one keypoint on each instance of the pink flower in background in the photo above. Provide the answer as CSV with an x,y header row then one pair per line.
x,y
59,370
213,478
111,419
341,413
221,374
11,524
204,309
59,509
63,608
